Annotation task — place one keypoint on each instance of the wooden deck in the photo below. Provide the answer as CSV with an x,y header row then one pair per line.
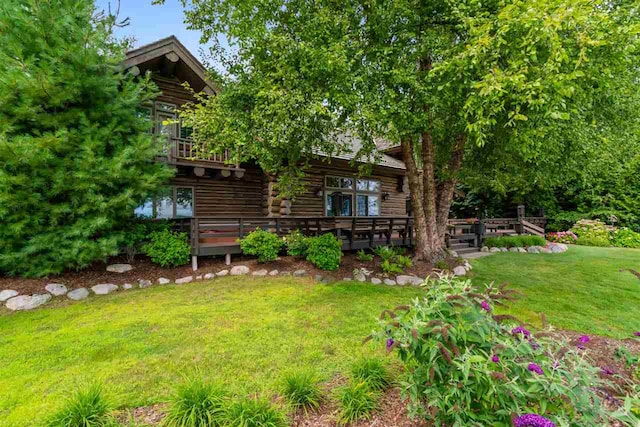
x,y
219,235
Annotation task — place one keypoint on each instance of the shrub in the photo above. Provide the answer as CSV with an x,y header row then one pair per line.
x,y
514,241
196,404
389,267
626,238
364,257
592,233
168,249
254,413
528,241
393,259
302,391
404,261
262,244
562,237
450,333
296,244
357,401
324,251
372,371
86,408
386,253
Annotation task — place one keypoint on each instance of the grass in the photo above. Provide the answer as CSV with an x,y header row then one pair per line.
x,y
301,389
582,289
195,404
237,331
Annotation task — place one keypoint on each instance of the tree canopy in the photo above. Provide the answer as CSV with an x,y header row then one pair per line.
x,y
502,88
75,156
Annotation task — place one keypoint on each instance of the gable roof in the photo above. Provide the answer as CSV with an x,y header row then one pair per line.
x,y
353,145
170,51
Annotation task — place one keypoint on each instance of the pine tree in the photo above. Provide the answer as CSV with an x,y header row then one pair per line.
x,y
75,155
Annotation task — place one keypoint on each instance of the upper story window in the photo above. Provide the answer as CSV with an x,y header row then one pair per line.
x,y
170,202
345,196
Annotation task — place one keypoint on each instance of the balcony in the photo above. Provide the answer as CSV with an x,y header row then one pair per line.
x,y
180,151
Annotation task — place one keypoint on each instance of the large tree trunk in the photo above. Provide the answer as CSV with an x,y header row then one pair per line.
x,y
447,186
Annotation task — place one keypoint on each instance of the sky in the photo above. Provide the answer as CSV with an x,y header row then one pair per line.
x,y
149,23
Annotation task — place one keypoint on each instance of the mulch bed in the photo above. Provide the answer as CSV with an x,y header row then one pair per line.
x,y
143,268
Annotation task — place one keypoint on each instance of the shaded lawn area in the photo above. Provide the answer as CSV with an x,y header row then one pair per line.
x,y
582,289
244,332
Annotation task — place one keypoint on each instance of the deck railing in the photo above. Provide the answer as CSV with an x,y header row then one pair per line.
x,y
183,149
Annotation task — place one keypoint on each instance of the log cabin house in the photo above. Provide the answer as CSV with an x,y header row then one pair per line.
x,y
219,202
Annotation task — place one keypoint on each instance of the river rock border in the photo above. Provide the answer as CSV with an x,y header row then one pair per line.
x,y
551,248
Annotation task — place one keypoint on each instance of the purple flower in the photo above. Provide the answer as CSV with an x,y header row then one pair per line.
x,y
584,339
495,358
535,368
485,306
637,333
606,370
390,343
521,330
534,345
580,347
532,420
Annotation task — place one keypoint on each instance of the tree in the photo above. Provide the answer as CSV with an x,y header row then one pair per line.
x,y
75,154
460,85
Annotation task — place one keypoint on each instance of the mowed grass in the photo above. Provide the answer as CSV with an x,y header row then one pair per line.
x,y
243,332
582,289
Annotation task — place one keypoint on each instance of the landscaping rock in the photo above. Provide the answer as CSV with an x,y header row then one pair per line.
x,y
459,271
513,249
533,249
299,273
318,278
56,289
408,280
390,282
503,249
545,251
78,294
484,249
360,277
522,250
454,254
104,288
495,250
164,281
239,270
119,268
144,283
183,280
557,248
6,294
274,273
199,277
127,286
467,265
260,273
209,276
348,279
222,273
26,302
376,281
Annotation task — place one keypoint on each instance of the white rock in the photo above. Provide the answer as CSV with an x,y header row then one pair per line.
x,y
360,277
467,265
376,281
557,248
239,270
78,294
533,249
274,273
222,273
127,286
545,251
104,288
260,273
494,250
513,249
503,249
26,302
300,273
119,268
522,250
348,279
390,282
459,271
199,277
404,279
209,276
144,283
6,294
484,249
183,280
454,254
164,281
56,289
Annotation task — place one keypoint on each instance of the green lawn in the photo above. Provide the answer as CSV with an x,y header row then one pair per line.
x,y
242,331
581,289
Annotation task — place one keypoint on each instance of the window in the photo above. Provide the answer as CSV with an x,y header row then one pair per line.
x,y
341,194
170,202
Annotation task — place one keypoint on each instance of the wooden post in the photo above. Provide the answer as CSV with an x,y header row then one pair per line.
x,y
372,233
227,259
390,231
521,214
194,262
240,228
353,232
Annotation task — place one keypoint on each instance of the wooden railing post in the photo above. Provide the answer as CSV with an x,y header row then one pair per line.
x,y
195,236
353,232
240,228
278,226
372,233
390,231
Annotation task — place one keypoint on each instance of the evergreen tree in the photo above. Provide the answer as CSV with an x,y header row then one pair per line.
x,y
75,155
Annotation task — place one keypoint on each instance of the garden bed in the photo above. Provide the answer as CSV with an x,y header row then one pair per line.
x,y
144,269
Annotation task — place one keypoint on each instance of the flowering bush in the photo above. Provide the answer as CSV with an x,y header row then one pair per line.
x,y
562,237
467,367
592,233
626,238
